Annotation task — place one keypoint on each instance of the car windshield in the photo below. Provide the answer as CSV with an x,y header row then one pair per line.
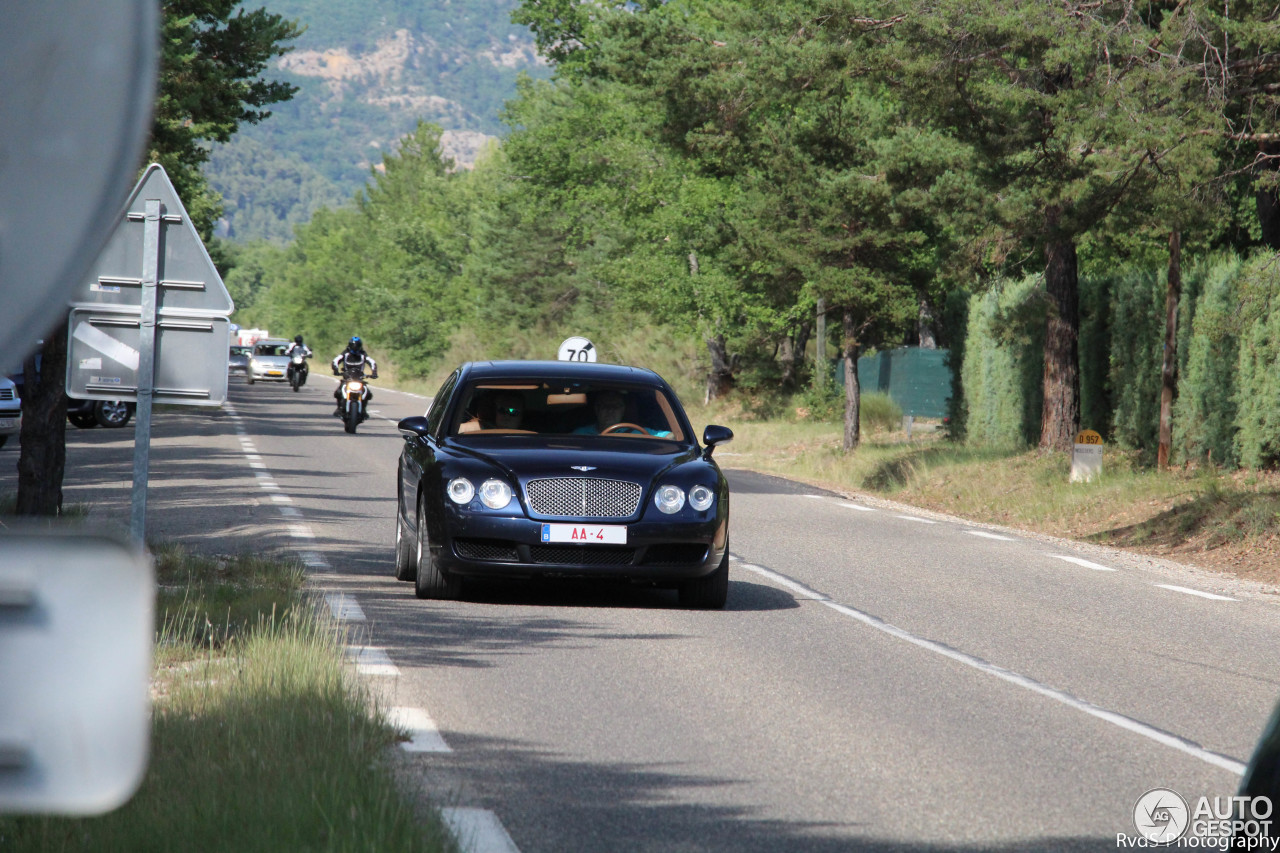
x,y
550,407
269,349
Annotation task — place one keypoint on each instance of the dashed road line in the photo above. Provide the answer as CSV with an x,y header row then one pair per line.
x,y
1188,591
1079,562
1120,720
478,831
916,518
985,535
372,660
858,507
424,735
343,607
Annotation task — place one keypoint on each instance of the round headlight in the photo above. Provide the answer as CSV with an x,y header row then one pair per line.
x,y
669,499
701,498
461,491
495,494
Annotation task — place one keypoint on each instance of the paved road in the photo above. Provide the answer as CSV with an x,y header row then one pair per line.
x,y
882,679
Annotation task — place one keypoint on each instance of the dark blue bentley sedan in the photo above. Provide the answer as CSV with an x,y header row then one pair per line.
x,y
526,469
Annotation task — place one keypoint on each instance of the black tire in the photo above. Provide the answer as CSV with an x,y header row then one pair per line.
x,y
112,414
350,420
293,381
3,440
406,551
429,581
83,421
710,592
248,379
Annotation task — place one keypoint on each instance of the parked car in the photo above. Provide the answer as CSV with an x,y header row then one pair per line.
x,y
86,414
112,414
268,363
512,473
10,410
238,361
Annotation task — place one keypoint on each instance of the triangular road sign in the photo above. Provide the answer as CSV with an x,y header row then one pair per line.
x,y
189,282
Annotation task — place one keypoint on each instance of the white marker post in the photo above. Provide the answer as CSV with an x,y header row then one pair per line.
x,y
1086,457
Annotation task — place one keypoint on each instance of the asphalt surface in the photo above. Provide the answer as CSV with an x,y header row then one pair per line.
x,y
882,679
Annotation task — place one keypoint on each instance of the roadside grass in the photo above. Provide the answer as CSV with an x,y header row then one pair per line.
x,y
1229,521
261,739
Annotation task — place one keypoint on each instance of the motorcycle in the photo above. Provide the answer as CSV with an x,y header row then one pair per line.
x,y
298,369
353,398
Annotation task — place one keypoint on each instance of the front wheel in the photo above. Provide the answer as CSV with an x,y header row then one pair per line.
x,y
83,421
351,419
406,564
430,581
710,592
293,381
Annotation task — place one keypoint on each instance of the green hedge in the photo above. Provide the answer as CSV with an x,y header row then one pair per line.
x,y
1228,407
1001,374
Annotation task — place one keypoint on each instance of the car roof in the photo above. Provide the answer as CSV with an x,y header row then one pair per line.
x,y
579,370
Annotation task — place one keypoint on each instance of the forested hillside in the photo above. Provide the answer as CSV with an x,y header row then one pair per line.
x,y
703,179
367,72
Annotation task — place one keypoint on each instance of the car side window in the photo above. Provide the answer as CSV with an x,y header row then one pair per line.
x,y
436,413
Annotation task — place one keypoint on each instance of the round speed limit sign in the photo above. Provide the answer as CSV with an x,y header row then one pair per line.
x,y
576,349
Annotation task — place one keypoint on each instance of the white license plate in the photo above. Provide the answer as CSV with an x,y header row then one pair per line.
x,y
8,423
585,534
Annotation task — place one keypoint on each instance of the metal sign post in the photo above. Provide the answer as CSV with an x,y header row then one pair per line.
x,y
146,369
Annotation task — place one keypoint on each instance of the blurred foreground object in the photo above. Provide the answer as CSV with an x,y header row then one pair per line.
x,y
79,79
76,632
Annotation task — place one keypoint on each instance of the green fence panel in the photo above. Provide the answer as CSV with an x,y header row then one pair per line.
x,y
918,380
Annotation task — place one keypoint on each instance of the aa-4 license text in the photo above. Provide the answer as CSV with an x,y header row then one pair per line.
x,y
585,534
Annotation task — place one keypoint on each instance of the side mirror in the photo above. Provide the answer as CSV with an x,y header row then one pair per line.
x,y
713,435
414,427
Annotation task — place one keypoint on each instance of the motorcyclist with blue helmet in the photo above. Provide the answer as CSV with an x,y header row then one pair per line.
x,y
352,361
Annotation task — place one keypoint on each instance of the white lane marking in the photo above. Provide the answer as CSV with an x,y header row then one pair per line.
x,y
312,560
301,531
858,507
478,831
782,580
252,457
1116,719
916,518
281,499
985,535
1209,595
269,484
1080,562
258,466
371,660
343,607
424,735
290,511
815,497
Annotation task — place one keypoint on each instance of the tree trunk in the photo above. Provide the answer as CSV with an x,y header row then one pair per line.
x,y
852,393
720,379
1268,204
820,367
924,327
793,347
43,456
1169,369
1060,417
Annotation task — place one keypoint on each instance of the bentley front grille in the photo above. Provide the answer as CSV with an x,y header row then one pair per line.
x,y
583,497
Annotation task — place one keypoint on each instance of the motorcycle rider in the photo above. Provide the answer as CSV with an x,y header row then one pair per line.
x,y
351,363
299,347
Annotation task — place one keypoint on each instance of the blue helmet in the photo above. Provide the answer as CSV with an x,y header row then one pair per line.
x,y
355,343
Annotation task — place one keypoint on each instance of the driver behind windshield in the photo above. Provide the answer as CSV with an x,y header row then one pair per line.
x,y
610,409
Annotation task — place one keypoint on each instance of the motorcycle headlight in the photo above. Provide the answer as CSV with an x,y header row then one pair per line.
x,y
495,494
701,498
461,491
669,499
356,386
